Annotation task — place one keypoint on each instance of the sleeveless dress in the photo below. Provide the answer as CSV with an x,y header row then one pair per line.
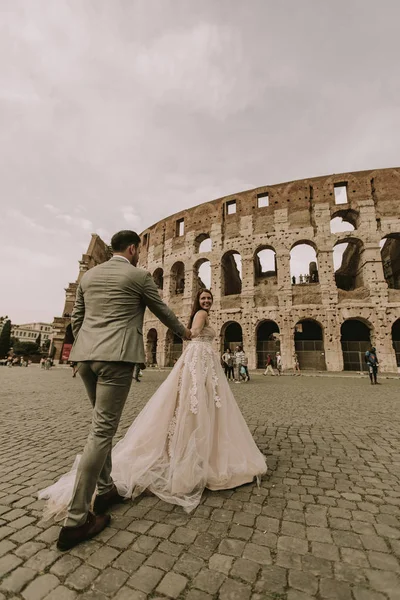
x,y
190,435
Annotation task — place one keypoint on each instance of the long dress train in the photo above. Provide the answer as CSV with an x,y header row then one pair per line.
x,y
190,435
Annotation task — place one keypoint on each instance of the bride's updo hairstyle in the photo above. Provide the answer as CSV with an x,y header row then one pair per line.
x,y
196,304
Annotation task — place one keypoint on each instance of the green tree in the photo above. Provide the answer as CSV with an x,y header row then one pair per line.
x,y
46,345
5,336
39,340
26,349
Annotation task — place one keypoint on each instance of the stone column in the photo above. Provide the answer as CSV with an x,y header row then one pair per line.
x,y
332,344
287,344
284,281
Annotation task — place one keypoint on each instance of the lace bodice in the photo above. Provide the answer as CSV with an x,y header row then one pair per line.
x,y
207,335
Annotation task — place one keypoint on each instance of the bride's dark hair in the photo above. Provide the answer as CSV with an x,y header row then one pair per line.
x,y
196,304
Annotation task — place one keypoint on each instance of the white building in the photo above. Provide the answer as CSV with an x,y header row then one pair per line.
x,y
28,332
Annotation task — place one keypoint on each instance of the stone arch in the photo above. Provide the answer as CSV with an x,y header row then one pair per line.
x,y
344,220
151,347
396,340
231,273
390,253
265,264
268,342
347,258
201,275
231,335
203,243
304,262
174,347
158,277
309,344
355,337
177,278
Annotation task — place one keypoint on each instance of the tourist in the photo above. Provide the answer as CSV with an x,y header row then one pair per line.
x,y
296,364
244,367
42,362
268,365
225,361
278,359
238,362
372,362
189,436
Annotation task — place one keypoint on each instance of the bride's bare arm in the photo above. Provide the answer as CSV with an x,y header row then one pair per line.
x,y
199,321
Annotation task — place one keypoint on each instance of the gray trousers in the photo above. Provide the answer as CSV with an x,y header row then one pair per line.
x,y
107,385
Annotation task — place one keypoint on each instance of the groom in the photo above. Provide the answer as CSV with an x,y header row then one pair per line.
x,y
107,324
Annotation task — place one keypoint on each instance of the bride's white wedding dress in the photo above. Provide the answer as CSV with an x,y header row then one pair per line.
x,y
190,435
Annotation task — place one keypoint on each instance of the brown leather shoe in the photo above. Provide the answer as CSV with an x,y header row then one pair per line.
x,y
104,501
72,536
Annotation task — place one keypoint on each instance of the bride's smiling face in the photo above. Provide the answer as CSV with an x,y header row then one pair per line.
x,y
205,301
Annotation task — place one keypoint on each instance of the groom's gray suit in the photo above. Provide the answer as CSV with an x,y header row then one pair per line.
x,y
107,324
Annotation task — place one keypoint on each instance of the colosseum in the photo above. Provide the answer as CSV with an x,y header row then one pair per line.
x,y
309,267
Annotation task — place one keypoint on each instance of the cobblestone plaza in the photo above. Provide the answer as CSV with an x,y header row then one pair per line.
x,y
325,522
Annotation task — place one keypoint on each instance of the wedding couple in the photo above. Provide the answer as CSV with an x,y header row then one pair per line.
x,y
190,435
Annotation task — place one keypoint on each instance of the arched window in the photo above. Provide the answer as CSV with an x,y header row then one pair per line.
x,y
309,345
268,342
344,220
265,265
355,340
158,277
231,271
203,243
178,278
202,275
396,340
348,264
390,253
232,336
303,263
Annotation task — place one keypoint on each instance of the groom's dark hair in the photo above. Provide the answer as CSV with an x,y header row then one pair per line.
x,y
121,240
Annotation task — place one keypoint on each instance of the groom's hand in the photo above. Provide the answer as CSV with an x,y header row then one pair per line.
x,y
188,334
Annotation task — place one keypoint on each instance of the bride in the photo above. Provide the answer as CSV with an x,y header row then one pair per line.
x,y
190,435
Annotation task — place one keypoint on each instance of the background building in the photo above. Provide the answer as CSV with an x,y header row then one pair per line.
x,y
28,332
310,267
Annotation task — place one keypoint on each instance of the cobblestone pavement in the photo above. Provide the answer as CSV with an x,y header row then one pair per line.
x,y
325,522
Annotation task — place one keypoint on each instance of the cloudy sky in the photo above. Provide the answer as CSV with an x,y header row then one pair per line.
x,y
117,113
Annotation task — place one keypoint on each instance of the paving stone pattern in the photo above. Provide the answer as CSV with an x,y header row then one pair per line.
x,y
323,524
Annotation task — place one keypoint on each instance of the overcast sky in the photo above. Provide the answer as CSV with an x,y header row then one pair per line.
x,y
115,114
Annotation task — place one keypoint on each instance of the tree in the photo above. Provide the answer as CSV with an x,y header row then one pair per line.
x,y
26,349
46,345
5,336
39,340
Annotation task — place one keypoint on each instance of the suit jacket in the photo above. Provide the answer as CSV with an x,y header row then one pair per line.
x,y
107,318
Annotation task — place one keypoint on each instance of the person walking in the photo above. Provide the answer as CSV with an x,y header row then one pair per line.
x,y
244,367
278,359
190,435
268,365
225,361
371,359
296,364
107,322
238,362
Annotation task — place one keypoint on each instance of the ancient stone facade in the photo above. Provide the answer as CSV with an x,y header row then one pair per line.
x,y
328,318
331,318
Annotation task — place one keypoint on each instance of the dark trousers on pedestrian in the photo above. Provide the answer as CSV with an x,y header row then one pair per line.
x,y
373,373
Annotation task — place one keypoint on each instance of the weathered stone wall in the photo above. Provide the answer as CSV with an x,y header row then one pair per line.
x,y
298,211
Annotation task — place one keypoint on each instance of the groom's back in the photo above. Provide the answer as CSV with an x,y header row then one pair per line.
x,y
108,315
112,293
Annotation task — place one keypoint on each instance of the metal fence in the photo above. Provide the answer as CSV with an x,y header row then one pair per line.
x,y
311,355
354,355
